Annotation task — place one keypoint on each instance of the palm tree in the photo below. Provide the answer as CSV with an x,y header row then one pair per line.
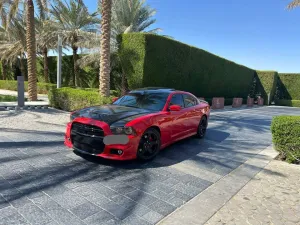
x,y
8,10
104,80
73,23
293,4
13,44
127,16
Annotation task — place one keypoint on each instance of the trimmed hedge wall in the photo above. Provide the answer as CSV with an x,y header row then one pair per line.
x,y
153,60
266,85
71,99
287,102
286,137
289,86
42,88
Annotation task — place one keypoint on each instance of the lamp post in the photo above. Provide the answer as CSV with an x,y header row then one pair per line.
x,y
59,57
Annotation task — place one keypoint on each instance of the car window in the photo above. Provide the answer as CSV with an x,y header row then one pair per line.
x,y
189,101
177,100
150,101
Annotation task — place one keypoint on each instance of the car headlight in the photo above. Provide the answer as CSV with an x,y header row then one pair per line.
x,y
122,130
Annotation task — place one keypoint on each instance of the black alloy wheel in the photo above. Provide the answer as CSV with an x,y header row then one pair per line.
x,y
202,127
149,145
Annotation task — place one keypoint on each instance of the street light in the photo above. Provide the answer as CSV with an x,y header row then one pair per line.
x,y
59,59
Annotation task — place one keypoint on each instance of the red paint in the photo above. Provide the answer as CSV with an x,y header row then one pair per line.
x,y
173,125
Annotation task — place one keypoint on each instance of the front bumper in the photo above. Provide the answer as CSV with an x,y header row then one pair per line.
x,y
129,150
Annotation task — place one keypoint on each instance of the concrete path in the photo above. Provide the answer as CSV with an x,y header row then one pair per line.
x,y
41,97
272,197
42,182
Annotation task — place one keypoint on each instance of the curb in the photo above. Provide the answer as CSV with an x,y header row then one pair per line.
x,y
17,108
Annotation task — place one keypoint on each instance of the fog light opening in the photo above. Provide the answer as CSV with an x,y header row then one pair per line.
x,y
120,152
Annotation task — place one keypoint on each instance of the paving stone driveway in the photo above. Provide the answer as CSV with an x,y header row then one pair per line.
x,y
42,182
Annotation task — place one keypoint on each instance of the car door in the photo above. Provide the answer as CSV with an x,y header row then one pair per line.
x,y
177,125
192,116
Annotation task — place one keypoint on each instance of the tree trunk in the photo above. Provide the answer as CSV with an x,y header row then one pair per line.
x,y
105,48
31,52
75,67
125,87
4,71
46,70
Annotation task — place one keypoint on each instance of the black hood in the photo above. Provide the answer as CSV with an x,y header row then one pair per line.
x,y
111,113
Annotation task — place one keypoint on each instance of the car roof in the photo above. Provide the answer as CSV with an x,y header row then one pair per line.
x,y
153,90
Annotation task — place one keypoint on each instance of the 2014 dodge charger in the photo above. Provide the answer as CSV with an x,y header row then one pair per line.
x,y
138,124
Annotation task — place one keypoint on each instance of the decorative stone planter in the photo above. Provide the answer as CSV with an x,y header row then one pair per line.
x,y
218,103
237,102
250,102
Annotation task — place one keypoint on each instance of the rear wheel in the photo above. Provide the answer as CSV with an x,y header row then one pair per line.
x,y
149,145
202,127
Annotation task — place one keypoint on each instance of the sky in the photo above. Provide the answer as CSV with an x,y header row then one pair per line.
x,y
260,34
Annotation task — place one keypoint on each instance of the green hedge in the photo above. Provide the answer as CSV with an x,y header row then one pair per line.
x,y
289,86
286,137
71,99
287,102
153,60
8,98
42,88
266,85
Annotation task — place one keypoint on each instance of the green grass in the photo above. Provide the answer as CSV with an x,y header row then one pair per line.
x,y
8,98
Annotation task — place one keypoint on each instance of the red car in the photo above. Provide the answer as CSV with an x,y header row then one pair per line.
x,y
138,124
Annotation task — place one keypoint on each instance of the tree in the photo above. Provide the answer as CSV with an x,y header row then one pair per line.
x,y
104,80
293,4
8,10
73,23
127,16
13,44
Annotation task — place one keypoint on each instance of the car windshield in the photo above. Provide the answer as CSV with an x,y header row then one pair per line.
x,y
149,101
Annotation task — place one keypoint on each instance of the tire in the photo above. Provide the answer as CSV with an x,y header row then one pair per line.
x,y
149,145
202,127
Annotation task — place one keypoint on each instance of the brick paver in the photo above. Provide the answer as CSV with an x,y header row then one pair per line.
x,y
272,197
42,182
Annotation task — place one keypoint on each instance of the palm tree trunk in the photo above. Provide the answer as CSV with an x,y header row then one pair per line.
x,y
4,72
46,66
75,67
31,52
125,87
105,48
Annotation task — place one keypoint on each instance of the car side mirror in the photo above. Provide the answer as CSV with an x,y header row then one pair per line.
x,y
175,108
115,99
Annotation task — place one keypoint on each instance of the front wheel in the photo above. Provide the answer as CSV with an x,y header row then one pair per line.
x,y
202,127
149,145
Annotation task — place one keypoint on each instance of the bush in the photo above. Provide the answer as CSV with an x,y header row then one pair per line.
x,y
153,60
42,88
71,99
287,102
8,98
266,85
286,137
289,86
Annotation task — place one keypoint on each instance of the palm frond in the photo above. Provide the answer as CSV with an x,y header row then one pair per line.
x,y
293,4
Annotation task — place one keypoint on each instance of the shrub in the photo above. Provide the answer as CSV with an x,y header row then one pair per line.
x,y
42,88
153,60
286,137
266,85
71,99
289,86
287,102
8,98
